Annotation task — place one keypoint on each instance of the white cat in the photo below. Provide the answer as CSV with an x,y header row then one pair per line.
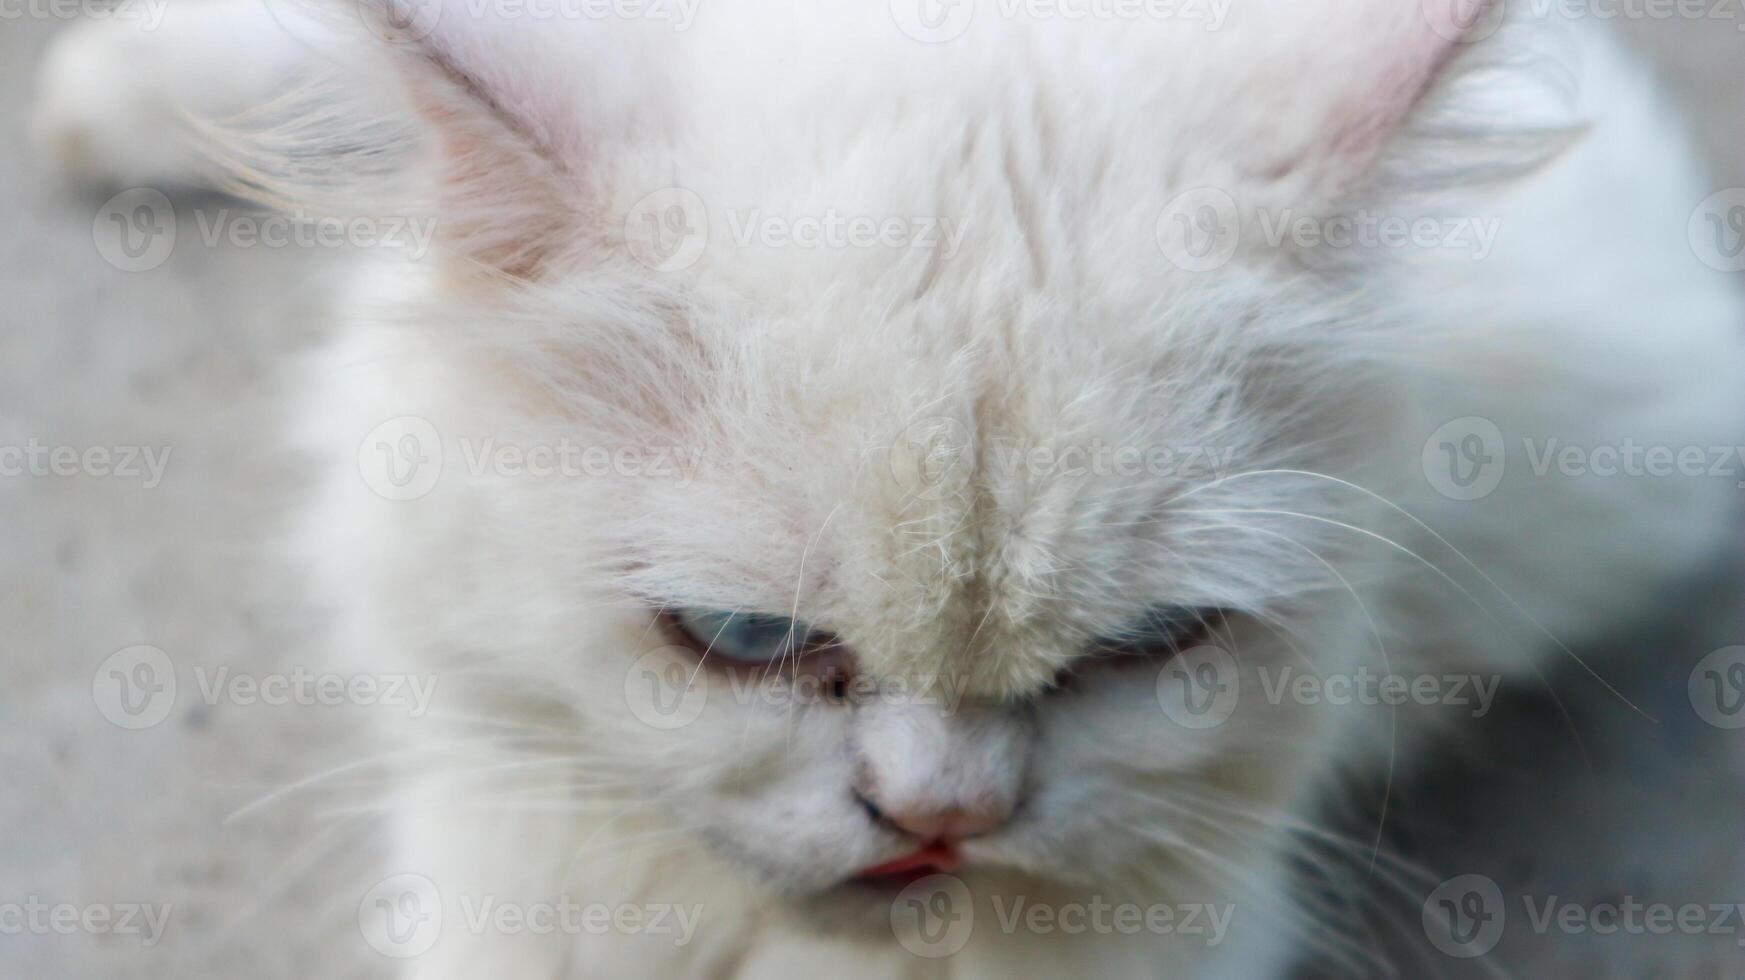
x,y
1029,400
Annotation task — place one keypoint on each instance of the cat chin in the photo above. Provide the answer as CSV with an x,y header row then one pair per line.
x,y
851,910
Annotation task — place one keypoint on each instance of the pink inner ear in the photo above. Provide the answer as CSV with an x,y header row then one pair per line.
x,y
512,169
562,86
501,205
1411,56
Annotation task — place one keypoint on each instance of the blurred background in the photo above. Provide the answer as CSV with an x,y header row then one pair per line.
x,y
207,813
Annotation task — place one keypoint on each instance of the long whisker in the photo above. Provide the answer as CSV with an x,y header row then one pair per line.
x,y
1468,562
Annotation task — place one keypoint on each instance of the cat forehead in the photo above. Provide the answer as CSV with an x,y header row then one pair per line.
x,y
980,535
973,475
993,203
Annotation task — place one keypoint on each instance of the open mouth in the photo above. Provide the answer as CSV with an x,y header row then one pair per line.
x,y
938,857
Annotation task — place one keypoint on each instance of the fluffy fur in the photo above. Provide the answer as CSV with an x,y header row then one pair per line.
x,y
801,378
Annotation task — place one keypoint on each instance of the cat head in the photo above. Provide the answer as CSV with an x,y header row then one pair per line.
x,y
966,448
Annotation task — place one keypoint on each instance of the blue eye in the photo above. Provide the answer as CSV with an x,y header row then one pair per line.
x,y
745,638
1163,631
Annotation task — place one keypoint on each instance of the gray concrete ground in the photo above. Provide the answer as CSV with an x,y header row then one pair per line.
x,y
192,357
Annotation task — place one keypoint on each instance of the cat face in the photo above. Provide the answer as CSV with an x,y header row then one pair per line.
x,y
970,570
1031,529
995,511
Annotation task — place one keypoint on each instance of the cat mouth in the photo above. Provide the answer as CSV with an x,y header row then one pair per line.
x,y
938,857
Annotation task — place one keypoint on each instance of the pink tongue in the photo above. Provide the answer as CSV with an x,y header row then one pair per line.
x,y
935,857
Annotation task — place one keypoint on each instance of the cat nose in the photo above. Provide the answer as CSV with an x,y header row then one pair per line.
x,y
947,824
936,774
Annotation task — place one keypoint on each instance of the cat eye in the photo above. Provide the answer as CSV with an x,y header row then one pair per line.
x,y
746,639
1163,632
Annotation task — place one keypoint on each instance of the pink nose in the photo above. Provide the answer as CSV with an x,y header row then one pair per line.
x,y
950,824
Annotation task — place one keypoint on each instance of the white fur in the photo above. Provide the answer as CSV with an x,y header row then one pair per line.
x,y
796,373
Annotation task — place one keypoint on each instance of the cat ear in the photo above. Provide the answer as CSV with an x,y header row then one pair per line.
x,y
518,116
1331,86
